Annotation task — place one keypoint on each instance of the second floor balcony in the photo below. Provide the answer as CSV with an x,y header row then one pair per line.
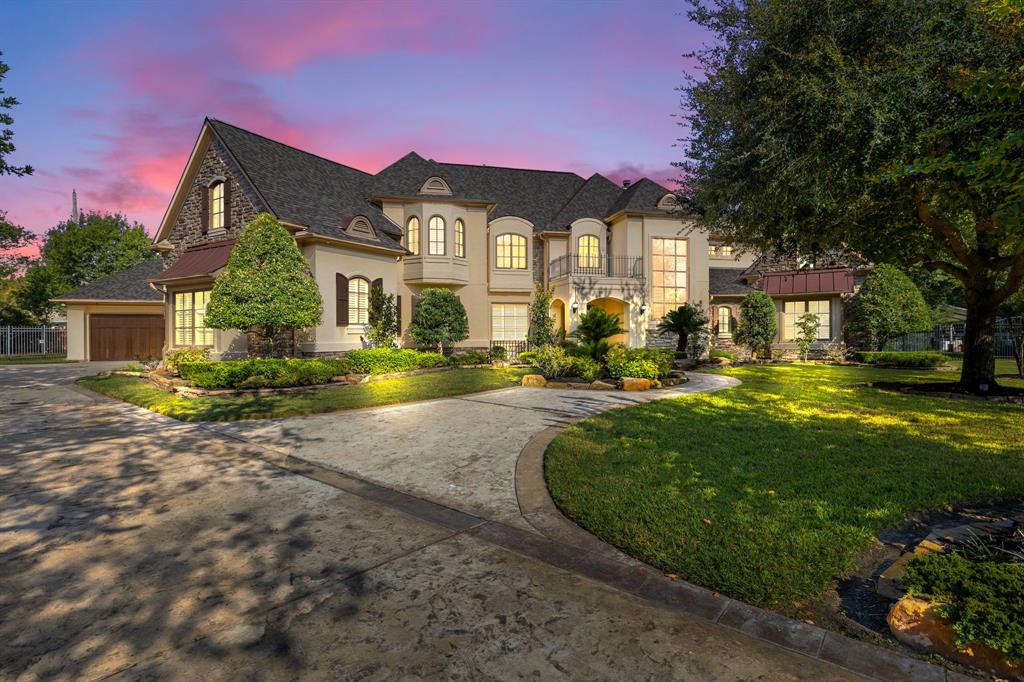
x,y
589,265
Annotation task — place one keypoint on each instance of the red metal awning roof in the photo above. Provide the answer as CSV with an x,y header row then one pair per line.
x,y
795,282
198,261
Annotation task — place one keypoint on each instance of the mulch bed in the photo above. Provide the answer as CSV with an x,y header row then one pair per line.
x,y
951,389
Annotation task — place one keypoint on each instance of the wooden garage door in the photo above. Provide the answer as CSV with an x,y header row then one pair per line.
x,y
125,337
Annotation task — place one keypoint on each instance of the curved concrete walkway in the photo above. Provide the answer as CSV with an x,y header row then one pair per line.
x,y
460,452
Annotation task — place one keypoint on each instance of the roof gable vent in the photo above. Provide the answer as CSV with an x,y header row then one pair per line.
x,y
436,186
668,202
359,226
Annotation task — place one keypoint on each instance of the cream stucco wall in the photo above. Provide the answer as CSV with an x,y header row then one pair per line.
x,y
228,344
326,262
78,321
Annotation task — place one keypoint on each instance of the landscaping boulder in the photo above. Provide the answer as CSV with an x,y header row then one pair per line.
x,y
534,381
599,385
916,623
357,378
632,384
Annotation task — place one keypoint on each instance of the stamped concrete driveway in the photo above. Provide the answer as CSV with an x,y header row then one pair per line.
x,y
133,546
460,452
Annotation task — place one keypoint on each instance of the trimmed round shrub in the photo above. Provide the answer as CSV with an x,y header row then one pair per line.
x,y
391,360
638,363
498,353
262,372
182,355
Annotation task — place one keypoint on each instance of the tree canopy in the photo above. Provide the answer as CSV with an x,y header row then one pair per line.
x,y
888,304
439,319
758,324
267,287
6,133
893,129
78,252
14,239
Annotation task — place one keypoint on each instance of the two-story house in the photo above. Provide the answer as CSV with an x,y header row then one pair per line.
x,y
488,233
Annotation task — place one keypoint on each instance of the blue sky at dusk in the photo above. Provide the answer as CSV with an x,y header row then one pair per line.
x,y
113,94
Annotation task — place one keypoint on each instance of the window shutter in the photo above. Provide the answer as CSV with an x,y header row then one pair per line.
x,y
227,204
204,208
377,283
341,294
398,314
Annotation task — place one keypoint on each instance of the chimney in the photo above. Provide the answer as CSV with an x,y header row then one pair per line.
x,y
626,184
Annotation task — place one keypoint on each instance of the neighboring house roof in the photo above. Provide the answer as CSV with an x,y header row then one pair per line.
x,y
308,190
127,285
198,261
728,282
832,281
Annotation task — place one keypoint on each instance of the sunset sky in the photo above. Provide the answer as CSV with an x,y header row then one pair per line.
x,y
113,94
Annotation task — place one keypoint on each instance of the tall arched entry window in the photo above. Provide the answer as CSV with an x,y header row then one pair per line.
x,y
588,252
724,321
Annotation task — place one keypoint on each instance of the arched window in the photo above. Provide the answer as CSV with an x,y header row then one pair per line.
x,y
358,301
217,205
435,232
724,321
460,238
510,252
412,235
588,251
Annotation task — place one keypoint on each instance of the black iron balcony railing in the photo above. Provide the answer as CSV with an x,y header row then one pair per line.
x,y
586,265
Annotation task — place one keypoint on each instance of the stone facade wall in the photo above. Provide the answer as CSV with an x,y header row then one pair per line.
x,y
245,205
539,253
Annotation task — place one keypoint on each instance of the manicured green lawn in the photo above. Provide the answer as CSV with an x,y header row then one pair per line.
x,y
770,491
386,392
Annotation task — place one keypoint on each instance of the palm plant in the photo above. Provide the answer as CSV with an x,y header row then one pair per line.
x,y
595,327
685,320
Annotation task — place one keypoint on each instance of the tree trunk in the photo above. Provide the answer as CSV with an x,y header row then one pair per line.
x,y
979,370
681,344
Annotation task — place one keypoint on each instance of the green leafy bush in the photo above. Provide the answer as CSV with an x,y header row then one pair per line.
x,y
758,324
983,600
551,361
728,355
527,357
262,372
888,304
181,355
391,360
639,363
585,368
470,357
913,359
439,319
498,354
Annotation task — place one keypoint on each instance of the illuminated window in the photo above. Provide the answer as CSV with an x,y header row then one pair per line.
x,y
511,252
588,252
358,301
190,319
668,275
712,250
724,321
509,321
412,235
217,206
435,232
793,310
460,238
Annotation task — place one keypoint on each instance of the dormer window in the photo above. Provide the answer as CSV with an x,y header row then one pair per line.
x,y
436,186
359,226
217,205
668,202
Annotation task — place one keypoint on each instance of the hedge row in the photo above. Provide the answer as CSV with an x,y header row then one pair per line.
x,y
913,359
280,373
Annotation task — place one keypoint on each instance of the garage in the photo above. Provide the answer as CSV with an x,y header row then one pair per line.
x,y
126,337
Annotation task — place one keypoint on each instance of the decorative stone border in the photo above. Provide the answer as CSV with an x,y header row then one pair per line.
x,y
623,572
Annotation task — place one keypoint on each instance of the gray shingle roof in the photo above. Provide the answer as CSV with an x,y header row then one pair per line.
x,y
127,285
305,189
727,282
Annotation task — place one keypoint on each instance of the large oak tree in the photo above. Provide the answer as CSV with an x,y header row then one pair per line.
x,y
890,128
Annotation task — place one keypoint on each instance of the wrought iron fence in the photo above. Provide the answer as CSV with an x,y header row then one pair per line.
x,y
596,266
33,342
513,348
949,338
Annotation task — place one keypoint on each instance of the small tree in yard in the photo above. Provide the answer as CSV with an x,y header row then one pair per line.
x,y
806,333
266,288
757,326
439,319
596,326
542,325
888,305
685,320
383,318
